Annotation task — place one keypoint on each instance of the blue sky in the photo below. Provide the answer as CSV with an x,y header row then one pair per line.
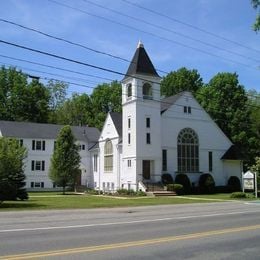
x,y
169,42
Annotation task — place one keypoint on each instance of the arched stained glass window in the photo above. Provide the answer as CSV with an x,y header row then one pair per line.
x,y
188,151
108,156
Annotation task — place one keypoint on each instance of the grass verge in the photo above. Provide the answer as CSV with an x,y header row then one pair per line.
x,y
54,200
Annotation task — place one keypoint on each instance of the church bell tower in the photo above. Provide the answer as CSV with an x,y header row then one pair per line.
x,y
141,121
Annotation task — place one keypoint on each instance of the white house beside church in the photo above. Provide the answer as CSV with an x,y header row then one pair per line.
x,y
39,140
150,137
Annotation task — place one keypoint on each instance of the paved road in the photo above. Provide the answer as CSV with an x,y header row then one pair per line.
x,y
229,230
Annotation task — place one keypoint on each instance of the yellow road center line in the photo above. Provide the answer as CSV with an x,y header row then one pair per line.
x,y
128,244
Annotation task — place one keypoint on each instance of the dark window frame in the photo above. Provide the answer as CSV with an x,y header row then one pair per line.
x,y
164,160
148,122
129,138
210,157
148,138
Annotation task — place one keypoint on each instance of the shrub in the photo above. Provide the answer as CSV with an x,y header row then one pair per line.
x,y
206,183
167,179
238,195
234,184
93,192
131,192
178,188
170,187
122,191
141,193
184,180
126,192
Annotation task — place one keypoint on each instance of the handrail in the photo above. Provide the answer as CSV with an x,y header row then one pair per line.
x,y
142,186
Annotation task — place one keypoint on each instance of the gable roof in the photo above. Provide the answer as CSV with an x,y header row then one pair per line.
x,y
141,63
117,120
45,131
233,153
167,102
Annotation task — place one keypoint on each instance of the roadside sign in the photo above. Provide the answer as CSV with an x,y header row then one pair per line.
x,y
250,182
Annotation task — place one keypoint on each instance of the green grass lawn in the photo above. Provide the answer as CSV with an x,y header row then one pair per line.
x,y
55,200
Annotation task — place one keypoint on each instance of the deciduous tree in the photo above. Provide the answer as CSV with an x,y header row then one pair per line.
x,y
106,98
12,177
181,80
256,5
77,110
227,103
21,100
65,161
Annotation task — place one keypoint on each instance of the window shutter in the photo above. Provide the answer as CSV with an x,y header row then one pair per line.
x,y
43,165
33,144
43,145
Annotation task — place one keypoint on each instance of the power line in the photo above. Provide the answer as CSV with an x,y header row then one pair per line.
x,y
153,34
62,39
143,100
68,82
74,61
53,74
138,97
70,42
76,72
62,58
189,25
55,67
170,30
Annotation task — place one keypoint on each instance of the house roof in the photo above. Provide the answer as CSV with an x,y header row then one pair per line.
x,y
93,146
45,131
141,63
167,102
117,120
233,153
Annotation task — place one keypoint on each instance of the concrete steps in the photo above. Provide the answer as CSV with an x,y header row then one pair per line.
x,y
164,193
157,189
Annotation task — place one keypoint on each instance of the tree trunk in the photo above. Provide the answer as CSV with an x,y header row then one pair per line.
x,y
63,190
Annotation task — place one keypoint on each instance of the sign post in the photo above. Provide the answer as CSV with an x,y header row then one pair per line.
x,y
250,182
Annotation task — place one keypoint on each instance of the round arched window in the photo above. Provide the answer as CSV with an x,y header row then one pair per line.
x,y
129,90
108,156
147,91
188,151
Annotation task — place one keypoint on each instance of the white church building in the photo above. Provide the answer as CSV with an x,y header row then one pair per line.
x,y
153,136
150,137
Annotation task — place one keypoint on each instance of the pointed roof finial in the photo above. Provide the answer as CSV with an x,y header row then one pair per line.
x,y
140,45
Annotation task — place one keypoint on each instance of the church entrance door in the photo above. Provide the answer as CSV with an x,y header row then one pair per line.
x,y
146,169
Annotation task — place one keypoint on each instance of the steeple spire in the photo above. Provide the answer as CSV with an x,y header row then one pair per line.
x,y
141,63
